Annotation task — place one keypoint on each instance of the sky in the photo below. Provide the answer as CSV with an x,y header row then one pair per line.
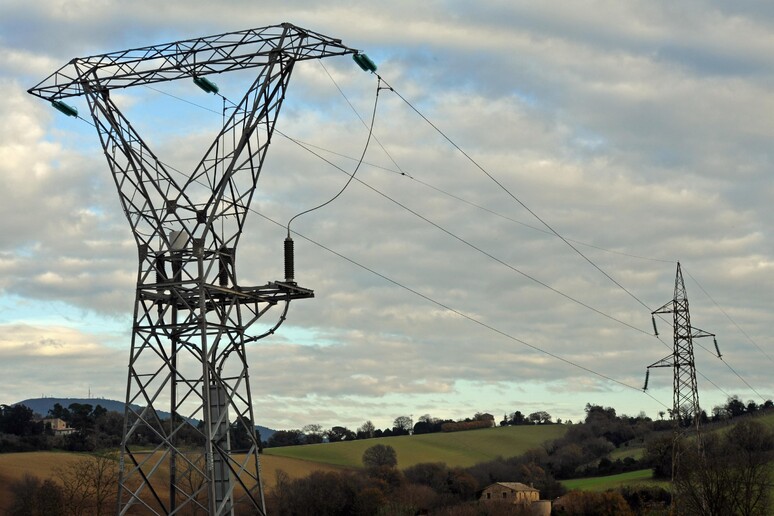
x,y
639,132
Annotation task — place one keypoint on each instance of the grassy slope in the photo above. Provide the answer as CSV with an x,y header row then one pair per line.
x,y
642,476
454,448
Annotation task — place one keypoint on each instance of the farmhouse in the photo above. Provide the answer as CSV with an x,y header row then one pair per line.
x,y
489,418
514,492
58,426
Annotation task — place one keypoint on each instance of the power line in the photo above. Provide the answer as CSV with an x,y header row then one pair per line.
x,y
552,231
426,184
456,311
514,197
445,306
476,248
360,162
729,317
470,318
726,361
358,114
534,214
303,146
403,173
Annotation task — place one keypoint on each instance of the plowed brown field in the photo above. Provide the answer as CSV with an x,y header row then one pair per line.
x,y
13,466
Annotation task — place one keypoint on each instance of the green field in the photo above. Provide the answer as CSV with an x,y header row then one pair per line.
x,y
639,477
633,451
454,448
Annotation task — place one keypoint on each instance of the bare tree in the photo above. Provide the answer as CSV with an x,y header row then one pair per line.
x,y
367,430
752,444
280,497
89,485
313,433
730,474
192,479
403,423
32,497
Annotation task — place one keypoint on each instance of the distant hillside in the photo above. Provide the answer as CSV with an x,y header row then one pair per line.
x,y
41,406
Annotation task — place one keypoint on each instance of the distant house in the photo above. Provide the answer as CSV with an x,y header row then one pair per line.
x,y
513,492
58,426
489,418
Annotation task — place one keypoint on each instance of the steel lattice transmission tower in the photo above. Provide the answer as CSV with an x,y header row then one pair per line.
x,y
685,404
191,315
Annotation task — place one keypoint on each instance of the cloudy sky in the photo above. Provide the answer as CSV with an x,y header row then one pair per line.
x,y
639,131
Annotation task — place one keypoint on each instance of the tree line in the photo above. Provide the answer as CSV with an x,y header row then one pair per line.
x,y
402,425
97,428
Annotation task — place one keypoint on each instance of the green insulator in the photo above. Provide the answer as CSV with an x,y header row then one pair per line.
x,y
206,84
369,64
364,62
64,108
356,58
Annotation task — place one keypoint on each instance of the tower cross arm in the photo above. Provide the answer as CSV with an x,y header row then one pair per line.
x,y
697,333
185,59
667,361
667,308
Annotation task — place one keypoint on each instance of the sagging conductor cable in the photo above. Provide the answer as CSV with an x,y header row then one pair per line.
x,y
289,258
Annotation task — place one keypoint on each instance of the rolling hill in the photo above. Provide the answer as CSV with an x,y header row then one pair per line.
x,y
455,448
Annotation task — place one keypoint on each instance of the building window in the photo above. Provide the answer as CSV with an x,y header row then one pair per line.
x,y
488,496
505,495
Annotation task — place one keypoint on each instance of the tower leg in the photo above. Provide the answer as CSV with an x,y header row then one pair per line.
x,y
221,475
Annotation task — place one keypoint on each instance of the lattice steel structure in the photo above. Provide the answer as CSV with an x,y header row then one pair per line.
x,y
685,405
191,316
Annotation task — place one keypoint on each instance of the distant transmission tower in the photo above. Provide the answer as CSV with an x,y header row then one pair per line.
x,y
685,404
190,314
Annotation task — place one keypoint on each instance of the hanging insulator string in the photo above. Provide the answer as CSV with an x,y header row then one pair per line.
x,y
289,260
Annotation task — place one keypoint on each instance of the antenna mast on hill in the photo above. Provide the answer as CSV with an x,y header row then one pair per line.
x,y
191,315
